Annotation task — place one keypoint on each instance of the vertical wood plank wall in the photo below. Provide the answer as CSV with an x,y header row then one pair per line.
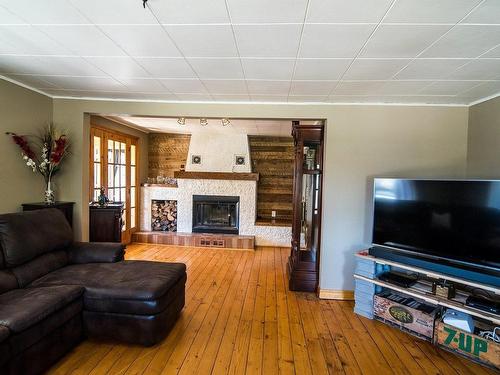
x,y
272,158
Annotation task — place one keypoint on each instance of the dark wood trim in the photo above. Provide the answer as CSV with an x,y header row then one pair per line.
x,y
217,176
303,264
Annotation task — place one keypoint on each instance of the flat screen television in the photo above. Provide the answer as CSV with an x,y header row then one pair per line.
x,y
449,226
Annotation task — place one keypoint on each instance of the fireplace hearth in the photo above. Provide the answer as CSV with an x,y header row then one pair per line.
x,y
216,214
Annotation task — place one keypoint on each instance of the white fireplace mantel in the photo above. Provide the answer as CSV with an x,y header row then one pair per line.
x,y
246,190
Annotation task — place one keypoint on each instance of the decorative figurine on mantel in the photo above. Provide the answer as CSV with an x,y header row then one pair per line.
x,y
52,148
102,199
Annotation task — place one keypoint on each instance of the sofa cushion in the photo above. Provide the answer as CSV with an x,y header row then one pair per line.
x,y
26,235
30,336
7,281
22,308
39,266
139,287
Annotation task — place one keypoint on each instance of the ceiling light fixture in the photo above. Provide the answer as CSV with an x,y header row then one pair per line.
x,y
144,3
203,122
225,122
181,121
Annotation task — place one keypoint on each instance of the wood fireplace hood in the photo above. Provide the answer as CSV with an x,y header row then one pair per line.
x,y
217,176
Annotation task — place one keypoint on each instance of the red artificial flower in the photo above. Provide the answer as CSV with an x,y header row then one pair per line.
x,y
21,141
58,151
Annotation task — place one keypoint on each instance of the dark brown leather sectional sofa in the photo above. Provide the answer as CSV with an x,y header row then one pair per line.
x,y
54,292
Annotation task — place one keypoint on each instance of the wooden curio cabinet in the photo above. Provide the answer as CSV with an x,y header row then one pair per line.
x,y
303,263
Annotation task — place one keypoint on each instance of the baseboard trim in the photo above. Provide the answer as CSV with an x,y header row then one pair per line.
x,y
346,295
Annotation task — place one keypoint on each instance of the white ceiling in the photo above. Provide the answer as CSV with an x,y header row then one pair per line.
x,y
330,51
279,128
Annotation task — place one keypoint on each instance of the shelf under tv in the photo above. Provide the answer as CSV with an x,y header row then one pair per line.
x,y
436,275
434,300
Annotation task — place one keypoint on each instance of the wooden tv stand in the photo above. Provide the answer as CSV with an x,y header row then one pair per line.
x,y
368,285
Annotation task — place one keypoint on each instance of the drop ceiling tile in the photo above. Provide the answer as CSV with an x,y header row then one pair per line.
x,y
85,83
231,98
341,11
226,87
494,52
194,97
85,40
269,98
402,40
320,69
26,39
190,11
142,40
430,68
466,41
481,69
217,68
7,17
487,12
114,11
45,11
357,88
33,81
272,69
48,65
482,91
204,40
333,40
401,87
265,11
430,11
186,86
311,87
143,85
267,40
118,66
307,98
160,67
372,69
268,87
448,87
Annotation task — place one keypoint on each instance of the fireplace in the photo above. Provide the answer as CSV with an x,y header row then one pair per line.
x,y
216,214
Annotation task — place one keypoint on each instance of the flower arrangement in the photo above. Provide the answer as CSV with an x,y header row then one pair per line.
x,y
52,148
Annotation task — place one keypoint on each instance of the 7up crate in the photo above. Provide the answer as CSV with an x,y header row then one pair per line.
x,y
405,313
467,344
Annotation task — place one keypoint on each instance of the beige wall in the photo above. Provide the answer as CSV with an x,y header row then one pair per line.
x,y
483,155
25,112
362,142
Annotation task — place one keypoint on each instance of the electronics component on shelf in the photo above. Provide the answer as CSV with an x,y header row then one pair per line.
x,y
491,335
459,320
398,279
408,302
444,289
484,304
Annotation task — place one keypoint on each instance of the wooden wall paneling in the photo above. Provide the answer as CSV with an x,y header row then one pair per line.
x,y
272,158
167,152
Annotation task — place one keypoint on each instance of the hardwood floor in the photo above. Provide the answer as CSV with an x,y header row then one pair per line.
x,y
240,318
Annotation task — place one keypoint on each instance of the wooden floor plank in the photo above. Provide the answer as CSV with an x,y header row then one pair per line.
x,y
241,318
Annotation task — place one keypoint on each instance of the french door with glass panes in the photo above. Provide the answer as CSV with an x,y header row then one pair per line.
x,y
114,167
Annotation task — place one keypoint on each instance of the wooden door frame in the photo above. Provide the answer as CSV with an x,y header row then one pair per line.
x,y
109,134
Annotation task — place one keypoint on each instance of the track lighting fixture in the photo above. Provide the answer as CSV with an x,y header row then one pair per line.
x,y
203,122
225,122
181,121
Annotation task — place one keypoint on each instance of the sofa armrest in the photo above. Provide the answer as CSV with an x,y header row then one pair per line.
x,y
95,252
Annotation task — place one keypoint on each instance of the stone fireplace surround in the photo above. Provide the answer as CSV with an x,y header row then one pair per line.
x,y
183,194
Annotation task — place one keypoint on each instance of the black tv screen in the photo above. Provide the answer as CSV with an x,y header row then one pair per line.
x,y
453,220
